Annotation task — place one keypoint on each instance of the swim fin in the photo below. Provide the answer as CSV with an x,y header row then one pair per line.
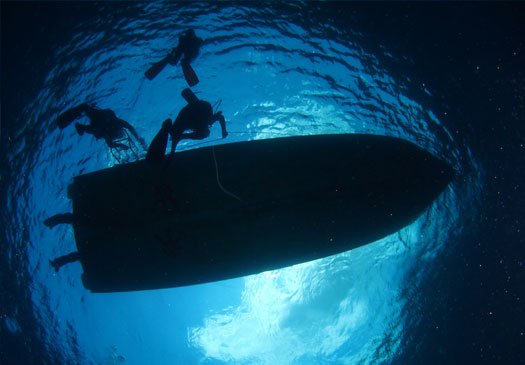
x,y
189,74
156,68
67,117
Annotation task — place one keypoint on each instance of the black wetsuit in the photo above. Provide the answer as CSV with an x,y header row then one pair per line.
x,y
189,46
197,117
105,124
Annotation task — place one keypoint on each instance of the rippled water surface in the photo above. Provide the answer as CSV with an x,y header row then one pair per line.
x,y
277,71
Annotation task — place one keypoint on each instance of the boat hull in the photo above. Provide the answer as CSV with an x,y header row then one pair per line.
x,y
236,209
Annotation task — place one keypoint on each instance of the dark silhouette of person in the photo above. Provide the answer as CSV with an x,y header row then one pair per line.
x,y
103,124
186,51
193,122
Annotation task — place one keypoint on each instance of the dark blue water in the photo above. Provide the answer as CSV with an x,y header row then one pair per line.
x,y
450,78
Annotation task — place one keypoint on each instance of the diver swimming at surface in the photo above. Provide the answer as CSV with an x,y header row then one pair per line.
x,y
188,48
197,117
103,124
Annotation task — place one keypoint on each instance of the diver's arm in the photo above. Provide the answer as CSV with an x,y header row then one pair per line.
x,y
218,116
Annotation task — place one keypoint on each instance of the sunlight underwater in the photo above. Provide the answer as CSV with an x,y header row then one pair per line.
x,y
276,74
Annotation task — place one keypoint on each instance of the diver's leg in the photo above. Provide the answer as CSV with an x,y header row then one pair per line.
x,y
64,260
67,117
177,131
189,96
189,73
158,145
191,135
174,56
103,115
63,218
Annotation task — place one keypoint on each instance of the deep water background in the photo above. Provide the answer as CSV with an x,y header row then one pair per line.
x,y
448,77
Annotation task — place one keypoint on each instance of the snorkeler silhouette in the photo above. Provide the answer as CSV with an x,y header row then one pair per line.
x,y
188,49
103,124
196,117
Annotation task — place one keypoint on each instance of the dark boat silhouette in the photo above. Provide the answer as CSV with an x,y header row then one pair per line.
x,y
243,208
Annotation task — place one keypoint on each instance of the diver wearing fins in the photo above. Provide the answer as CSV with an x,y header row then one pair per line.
x,y
188,48
103,124
192,122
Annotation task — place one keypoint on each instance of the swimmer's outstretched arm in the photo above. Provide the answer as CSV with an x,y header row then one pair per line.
x,y
219,117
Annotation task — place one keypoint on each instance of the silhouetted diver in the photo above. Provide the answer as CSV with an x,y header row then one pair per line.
x,y
197,117
188,48
103,124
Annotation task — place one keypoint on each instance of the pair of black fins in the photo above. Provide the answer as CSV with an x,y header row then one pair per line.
x,y
187,70
185,52
242,208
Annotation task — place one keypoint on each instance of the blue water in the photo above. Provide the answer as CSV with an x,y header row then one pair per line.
x,y
278,70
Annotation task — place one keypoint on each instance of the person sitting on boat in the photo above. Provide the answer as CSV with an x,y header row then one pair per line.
x,y
193,122
103,124
187,49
